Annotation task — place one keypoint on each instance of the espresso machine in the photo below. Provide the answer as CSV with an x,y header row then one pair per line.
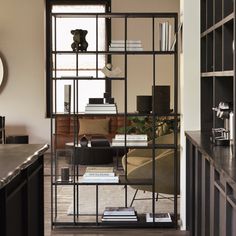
x,y
224,136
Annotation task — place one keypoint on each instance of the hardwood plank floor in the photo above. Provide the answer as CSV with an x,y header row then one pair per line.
x,y
98,232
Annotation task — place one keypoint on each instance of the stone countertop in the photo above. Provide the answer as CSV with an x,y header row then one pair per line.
x,y
16,157
219,156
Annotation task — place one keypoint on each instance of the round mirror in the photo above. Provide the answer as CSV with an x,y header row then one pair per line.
x,y
1,71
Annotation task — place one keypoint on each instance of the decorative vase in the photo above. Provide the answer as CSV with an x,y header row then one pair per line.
x,y
84,141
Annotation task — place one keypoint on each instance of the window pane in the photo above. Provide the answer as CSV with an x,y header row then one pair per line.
x,y
65,64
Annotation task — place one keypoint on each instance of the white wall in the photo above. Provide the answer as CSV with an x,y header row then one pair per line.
x,y
22,100
189,84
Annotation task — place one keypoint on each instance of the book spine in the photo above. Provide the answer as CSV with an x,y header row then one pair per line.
x,y
131,137
123,49
99,174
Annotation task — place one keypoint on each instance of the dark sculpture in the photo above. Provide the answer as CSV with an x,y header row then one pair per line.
x,y
80,43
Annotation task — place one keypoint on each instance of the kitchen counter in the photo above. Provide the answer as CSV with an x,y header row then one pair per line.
x,y
16,157
219,156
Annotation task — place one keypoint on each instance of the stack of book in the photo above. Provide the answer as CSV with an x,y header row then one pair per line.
x,y
131,140
165,37
100,175
131,45
159,217
119,214
101,108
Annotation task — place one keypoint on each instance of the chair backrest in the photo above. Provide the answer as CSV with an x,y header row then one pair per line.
x,y
2,130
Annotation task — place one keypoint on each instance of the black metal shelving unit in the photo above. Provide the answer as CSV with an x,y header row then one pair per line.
x,y
124,181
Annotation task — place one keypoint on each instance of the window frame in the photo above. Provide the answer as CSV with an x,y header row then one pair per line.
x,y
49,4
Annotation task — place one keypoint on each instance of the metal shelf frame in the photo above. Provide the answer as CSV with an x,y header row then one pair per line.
x,y
124,180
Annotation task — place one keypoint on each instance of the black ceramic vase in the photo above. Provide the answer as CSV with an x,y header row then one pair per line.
x,y
84,141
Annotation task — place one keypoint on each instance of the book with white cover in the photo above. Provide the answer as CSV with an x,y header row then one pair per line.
x,y
127,41
119,219
100,108
99,174
101,105
100,179
127,49
131,137
99,169
159,217
137,144
119,211
100,112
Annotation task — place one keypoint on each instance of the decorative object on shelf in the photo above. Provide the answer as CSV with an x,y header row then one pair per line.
x,y
162,99
158,217
65,174
223,136
144,103
96,101
165,36
100,174
109,71
84,141
67,98
80,43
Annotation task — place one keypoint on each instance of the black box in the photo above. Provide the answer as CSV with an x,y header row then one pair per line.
x,y
161,99
110,100
96,100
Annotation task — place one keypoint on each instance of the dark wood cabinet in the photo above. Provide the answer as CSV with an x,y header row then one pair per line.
x,y
21,191
217,58
211,187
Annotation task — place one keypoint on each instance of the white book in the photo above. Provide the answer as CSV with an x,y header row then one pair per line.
x,y
127,49
100,108
166,35
100,112
159,217
107,179
119,219
116,211
101,105
101,169
127,41
162,36
128,144
131,137
99,174
169,37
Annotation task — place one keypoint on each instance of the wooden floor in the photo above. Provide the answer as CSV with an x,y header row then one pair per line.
x,y
99,232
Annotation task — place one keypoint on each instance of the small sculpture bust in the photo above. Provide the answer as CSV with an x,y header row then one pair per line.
x,y
80,43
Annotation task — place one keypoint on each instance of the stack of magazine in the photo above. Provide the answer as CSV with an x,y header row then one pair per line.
x,y
119,214
159,217
131,140
131,45
101,108
100,175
